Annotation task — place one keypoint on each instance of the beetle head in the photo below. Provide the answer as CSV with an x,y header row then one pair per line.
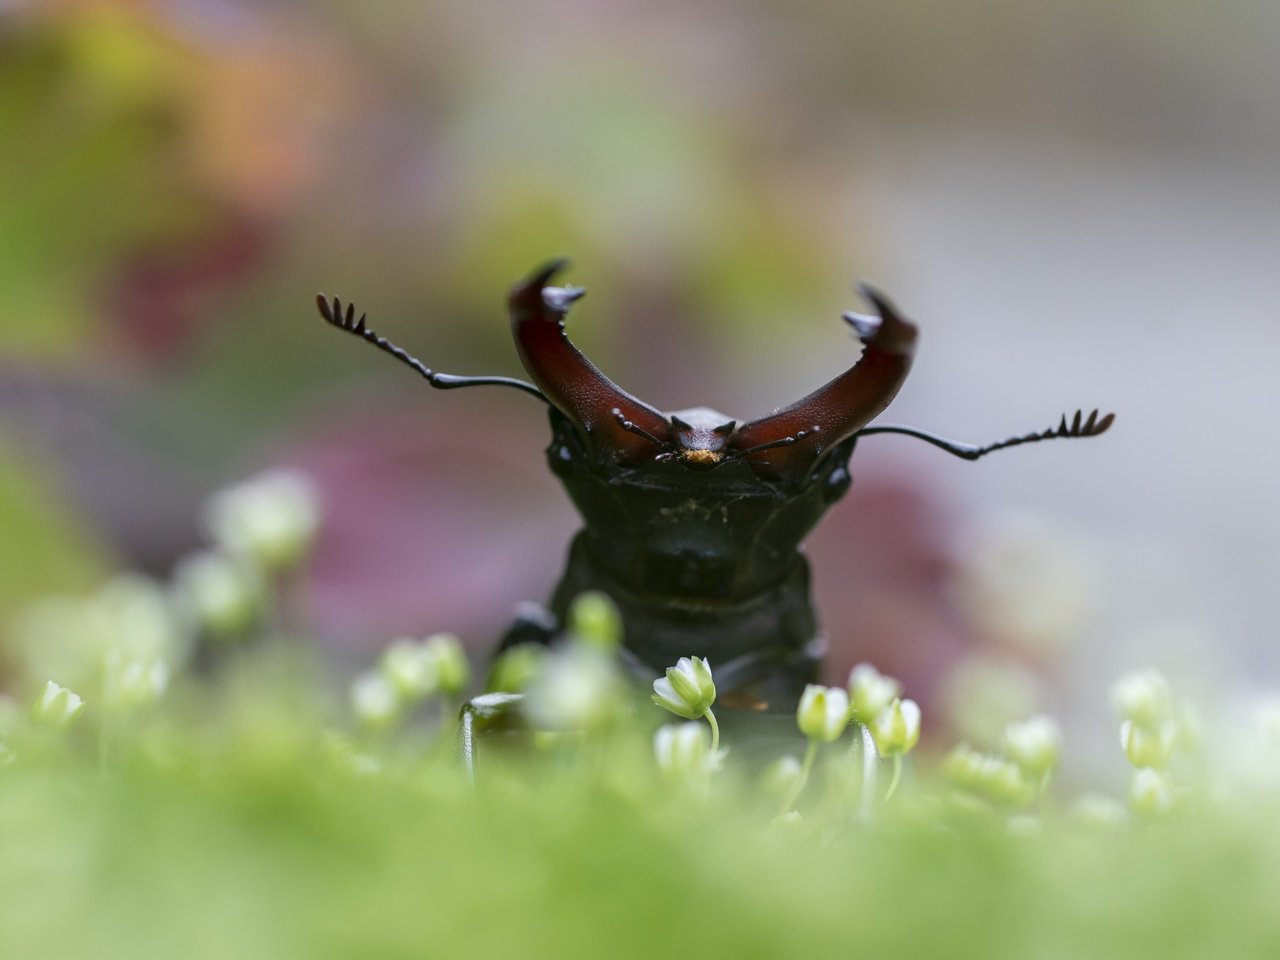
x,y
701,435
621,430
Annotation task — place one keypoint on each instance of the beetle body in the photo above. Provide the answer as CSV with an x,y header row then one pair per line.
x,y
699,561
693,521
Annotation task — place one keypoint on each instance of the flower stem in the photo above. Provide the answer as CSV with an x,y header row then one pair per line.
x,y
893,781
715,731
869,759
810,753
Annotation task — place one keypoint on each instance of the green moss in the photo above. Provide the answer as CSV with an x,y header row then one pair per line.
x,y
234,842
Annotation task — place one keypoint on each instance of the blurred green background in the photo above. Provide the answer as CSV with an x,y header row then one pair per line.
x,y
1079,203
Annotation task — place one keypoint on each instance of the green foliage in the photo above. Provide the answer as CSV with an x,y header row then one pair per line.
x,y
86,170
212,840
45,550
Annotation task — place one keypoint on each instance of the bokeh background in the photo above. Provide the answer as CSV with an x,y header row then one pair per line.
x,y
1078,202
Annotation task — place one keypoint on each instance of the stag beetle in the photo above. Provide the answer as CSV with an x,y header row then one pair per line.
x,y
692,520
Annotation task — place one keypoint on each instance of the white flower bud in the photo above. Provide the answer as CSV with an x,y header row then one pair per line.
x,y
1147,746
411,668
270,519
963,767
224,594
515,668
578,688
687,690
992,778
823,712
1035,745
375,700
136,616
781,779
897,728
683,751
1004,784
128,684
57,706
452,667
1151,793
870,692
1144,698
70,637
594,620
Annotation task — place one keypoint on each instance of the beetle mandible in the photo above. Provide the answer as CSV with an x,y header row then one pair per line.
x,y
692,521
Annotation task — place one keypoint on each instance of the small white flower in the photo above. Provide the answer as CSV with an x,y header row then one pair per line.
x,y
594,620
985,693
375,700
687,690
136,616
683,751
870,692
412,669
782,778
420,669
963,766
1144,698
70,637
224,593
1151,793
272,518
823,712
1148,746
991,778
897,728
1035,745
452,666
57,706
1004,784
128,684
578,688
516,668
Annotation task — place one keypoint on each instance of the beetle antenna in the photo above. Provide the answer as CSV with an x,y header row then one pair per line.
x,y
334,314
632,427
1079,426
773,444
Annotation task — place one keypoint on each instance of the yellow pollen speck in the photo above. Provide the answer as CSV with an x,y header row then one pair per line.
x,y
702,458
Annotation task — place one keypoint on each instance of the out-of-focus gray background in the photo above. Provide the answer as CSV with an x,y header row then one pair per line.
x,y
1079,203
